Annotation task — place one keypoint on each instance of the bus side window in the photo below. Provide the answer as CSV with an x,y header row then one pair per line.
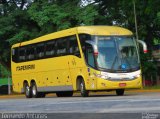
x,y
22,52
40,51
30,53
61,47
73,46
50,48
15,54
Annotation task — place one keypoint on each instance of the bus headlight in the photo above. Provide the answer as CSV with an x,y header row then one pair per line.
x,y
137,76
101,76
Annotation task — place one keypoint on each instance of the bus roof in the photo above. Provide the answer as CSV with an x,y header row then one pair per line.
x,y
104,30
92,30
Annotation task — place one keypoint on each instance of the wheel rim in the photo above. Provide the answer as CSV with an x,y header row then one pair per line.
x,y
82,88
27,90
34,90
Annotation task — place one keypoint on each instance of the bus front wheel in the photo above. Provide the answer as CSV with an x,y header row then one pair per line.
x,y
27,90
84,92
120,92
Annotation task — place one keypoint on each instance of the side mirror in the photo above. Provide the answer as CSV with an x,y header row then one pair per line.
x,y
144,46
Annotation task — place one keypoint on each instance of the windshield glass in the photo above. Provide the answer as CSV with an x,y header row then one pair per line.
x,y
117,53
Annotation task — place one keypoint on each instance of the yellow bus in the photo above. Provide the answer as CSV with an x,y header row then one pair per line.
x,y
85,58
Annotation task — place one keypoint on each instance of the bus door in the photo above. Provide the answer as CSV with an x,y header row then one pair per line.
x,y
90,56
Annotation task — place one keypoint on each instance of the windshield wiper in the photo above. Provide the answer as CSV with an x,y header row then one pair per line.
x,y
114,61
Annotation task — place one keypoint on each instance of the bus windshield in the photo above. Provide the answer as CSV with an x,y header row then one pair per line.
x,y
117,54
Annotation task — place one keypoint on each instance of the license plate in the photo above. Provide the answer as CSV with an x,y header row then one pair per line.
x,y
122,84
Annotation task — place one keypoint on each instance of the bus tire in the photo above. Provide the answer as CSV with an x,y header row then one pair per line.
x,y
120,92
84,92
27,90
35,93
64,94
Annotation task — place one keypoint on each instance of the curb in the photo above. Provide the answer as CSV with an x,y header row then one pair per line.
x,y
144,90
11,96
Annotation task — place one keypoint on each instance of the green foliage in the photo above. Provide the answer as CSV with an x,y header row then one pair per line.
x,y
23,27
19,37
63,16
4,81
4,72
156,41
158,18
148,66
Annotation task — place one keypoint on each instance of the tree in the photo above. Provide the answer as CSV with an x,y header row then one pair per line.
x,y
15,27
57,15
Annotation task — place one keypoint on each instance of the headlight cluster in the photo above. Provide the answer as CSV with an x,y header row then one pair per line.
x,y
102,76
117,78
137,76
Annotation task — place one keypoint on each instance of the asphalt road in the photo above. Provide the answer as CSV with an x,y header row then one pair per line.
x,y
143,103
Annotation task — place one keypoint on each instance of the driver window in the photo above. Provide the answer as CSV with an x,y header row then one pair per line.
x,y
90,56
